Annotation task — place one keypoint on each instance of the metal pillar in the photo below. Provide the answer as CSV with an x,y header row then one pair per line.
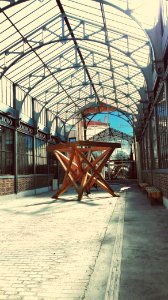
x,y
138,162
15,142
85,128
16,160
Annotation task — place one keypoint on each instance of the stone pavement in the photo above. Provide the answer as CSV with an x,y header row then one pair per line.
x,y
144,267
49,248
101,248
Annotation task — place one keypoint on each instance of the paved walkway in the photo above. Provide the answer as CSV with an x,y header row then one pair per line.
x,y
65,249
144,268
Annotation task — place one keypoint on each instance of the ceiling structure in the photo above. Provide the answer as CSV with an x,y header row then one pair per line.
x,y
111,134
72,56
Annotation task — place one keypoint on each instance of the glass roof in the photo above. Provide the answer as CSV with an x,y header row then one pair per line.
x,y
70,55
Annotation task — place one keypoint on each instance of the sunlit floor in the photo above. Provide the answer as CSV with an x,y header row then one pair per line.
x,y
99,248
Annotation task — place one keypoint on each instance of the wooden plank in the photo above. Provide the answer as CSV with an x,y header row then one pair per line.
x,y
84,178
62,190
69,174
66,146
80,171
65,159
96,172
69,166
154,194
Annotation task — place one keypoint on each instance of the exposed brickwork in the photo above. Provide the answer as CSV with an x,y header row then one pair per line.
x,y
7,186
163,183
160,180
156,179
25,183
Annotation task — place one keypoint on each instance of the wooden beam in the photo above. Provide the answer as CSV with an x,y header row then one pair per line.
x,y
82,170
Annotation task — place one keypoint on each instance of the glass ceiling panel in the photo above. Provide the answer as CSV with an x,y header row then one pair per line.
x,y
75,53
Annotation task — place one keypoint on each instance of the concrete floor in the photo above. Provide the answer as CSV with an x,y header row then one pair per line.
x,y
144,268
101,248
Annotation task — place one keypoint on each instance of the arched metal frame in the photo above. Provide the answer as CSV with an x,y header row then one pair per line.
x,y
110,78
113,133
109,131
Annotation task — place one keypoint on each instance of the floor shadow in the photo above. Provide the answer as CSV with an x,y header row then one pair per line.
x,y
89,203
41,203
59,200
16,212
48,208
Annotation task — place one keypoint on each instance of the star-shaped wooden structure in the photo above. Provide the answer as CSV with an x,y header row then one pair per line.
x,y
82,167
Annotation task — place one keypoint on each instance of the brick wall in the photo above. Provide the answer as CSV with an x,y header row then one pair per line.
x,y
25,183
157,179
161,181
34,182
7,186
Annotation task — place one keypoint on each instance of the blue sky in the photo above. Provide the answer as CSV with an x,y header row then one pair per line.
x,y
115,122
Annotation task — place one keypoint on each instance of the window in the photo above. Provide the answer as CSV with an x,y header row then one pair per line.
x,y
143,154
162,123
27,106
164,11
6,151
39,108
6,91
41,157
72,139
52,162
154,141
146,156
148,143
25,154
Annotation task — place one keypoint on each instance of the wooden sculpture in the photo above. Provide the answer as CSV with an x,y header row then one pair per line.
x,y
82,168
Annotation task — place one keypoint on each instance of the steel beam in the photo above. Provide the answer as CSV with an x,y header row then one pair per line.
x,y
77,46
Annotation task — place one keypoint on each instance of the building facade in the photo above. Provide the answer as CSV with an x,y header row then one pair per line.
x,y
52,74
153,131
